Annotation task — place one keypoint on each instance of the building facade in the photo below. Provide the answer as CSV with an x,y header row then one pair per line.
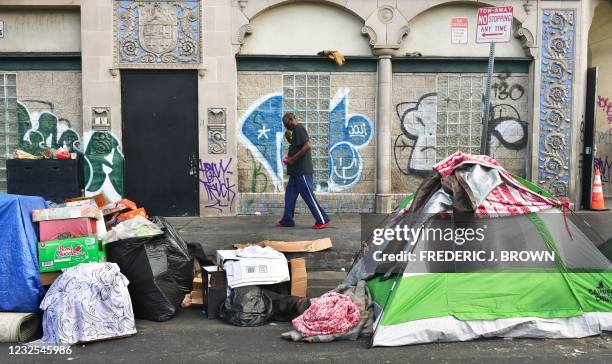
x,y
191,93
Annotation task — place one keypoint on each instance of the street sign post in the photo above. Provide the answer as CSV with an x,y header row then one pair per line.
x,y
493,25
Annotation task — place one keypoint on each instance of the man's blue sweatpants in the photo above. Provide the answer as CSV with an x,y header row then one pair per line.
x,y
301,185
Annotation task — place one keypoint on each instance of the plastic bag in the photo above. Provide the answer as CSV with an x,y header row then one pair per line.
x,y
159,268
247,306
138,226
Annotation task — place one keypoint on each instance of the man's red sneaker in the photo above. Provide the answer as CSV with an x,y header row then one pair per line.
x,y
321,226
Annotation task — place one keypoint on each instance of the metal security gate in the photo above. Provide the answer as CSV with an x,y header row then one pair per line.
x,y
160,140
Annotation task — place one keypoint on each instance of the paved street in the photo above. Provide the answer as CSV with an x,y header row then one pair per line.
x,y
190,338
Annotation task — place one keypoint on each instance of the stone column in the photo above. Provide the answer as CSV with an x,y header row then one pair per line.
x,y
383,133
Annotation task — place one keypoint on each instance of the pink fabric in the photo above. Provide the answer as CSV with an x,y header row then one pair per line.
x,y
509,198
332,313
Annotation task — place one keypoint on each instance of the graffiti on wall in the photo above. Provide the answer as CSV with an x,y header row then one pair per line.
x,y
347,134
104,165
604,137
556,100
344,134
216,177
414,149
262,133
259,180
38,130
438,123
605,104
605,168
503,90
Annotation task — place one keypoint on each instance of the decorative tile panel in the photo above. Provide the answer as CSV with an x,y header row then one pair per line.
x,y
217,138
556,100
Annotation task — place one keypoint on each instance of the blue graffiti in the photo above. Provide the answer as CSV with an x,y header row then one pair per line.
x,y
262,129
347,133
262,132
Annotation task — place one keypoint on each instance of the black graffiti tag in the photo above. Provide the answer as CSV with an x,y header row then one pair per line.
x,y
502,90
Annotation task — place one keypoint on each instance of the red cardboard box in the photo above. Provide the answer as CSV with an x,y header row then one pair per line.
x,y
132,214
67,228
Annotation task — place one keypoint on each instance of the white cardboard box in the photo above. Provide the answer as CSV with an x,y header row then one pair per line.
x,y
252,271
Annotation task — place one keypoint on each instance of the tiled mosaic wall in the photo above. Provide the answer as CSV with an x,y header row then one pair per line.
x,y
556,100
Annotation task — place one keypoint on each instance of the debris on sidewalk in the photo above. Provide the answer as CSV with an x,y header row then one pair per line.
x,y
100,293
159,266
307,246
18,327
315,325
18,254
58,254
255,269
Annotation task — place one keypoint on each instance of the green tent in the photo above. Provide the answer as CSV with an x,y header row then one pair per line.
x,y
547,278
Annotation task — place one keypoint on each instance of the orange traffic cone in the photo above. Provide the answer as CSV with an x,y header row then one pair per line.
x,y
597,199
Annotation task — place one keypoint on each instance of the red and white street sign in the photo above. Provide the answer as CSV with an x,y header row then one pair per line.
x,y
459,30
494,25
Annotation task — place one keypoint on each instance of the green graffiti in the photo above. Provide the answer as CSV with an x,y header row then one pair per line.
x,y
257,174
49,132
104,165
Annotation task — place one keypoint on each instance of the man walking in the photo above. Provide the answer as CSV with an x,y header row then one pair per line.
x,y
299,169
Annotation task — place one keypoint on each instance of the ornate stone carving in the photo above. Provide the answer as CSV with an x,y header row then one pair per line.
x,y
525,36
385,14
243,31
556,100
403,31
386,28
366,30
154,33
217,139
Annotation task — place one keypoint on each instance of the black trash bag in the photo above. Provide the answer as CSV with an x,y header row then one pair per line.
x,y
180,259
247,306
196,250
158,268
284,306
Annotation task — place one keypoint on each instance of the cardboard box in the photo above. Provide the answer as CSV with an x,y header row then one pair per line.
x,y
68,212
131,214
58,254
118,206
99,199
299,277
47,279
67,228
214,290
252,271
293,246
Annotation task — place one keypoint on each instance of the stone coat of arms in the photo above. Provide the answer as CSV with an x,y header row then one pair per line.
x,y
157,32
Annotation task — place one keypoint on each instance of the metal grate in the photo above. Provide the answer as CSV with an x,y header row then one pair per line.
x,y
308,96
